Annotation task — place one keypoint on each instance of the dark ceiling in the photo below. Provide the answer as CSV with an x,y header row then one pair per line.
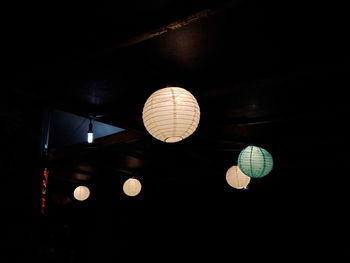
x,y
269,73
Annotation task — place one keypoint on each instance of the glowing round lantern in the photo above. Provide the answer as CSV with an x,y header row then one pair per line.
x,y
255,161
81,193
132,187
236,178
171,114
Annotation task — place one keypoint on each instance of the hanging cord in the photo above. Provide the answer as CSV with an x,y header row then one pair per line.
x,y
90,125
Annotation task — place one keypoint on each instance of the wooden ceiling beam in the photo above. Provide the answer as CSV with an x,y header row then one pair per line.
x,y
124,137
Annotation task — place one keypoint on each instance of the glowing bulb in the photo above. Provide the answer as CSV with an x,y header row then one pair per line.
x,y
90,137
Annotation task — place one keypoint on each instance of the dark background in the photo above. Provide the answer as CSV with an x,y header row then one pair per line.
x,y
264,72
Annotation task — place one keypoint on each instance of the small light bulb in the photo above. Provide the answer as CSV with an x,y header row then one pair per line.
x,y
90,137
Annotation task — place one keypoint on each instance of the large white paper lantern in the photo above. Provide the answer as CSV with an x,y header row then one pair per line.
x,y
81,193
236,178
171,114
132,187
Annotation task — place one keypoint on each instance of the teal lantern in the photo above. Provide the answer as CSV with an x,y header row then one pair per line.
x,y
255,161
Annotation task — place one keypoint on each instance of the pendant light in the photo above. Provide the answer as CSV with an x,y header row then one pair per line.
x,y
236,178
132,187
171,114
255,161
90,135
81,193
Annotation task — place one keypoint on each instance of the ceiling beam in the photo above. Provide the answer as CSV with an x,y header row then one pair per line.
x,y
172,26
127,136
164,29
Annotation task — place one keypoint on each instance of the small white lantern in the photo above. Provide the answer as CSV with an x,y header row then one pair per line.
x,y
171,114
132,187
81,193
236,178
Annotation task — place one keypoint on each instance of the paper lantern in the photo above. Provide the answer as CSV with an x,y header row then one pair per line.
x,y
236,178
81,193
132,187
171,114
255,161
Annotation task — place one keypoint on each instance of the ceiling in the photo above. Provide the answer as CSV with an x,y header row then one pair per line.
x,y
266,73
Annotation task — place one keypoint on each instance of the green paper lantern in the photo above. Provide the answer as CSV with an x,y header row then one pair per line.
x,y
255,161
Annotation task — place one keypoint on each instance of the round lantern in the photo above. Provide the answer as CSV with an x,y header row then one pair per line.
x,y
171,114
81,193
132,187
236,178
255,161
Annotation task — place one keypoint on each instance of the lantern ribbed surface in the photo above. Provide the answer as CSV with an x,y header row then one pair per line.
x,y
255,161
171,114
81,193
132,187
236,178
